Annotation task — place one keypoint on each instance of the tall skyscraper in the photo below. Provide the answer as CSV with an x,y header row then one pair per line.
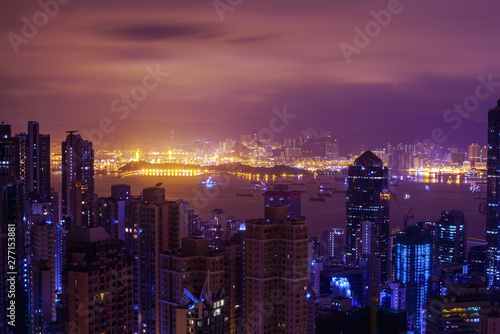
x,y
38,163
368,201
451,237
43,248
157,226
34,163
493,199
14,270
99,289
413,260
474,154
77,180
276,276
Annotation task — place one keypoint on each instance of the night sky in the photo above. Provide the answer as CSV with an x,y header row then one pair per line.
x,y
226,76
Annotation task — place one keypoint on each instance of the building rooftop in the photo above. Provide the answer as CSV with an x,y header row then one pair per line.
x,y
368,159
88,234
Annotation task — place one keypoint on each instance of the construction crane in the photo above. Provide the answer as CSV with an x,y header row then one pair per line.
x,y
407,216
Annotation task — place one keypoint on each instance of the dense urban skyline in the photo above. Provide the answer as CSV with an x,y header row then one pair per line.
x,y
257,167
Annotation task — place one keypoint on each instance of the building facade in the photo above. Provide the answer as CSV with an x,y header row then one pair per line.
x,y
276,276
493,199
413,268
368,201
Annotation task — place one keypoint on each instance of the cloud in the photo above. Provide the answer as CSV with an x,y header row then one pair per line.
x,y
154,32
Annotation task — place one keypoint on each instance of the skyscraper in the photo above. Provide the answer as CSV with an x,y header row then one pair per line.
x,y
77,180
451,237
157,226
276,275
43,248
34,163
368,201
493,199
413,260
474,154
13,263
99,276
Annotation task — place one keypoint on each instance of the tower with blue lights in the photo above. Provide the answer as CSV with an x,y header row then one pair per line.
x,y
368,201
413,264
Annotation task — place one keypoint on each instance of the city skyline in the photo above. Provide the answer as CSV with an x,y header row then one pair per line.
x,y
249,166
230,74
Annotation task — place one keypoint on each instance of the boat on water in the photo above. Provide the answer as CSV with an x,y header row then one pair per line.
x,y
326,187
208,182
474,188
260,185
407,196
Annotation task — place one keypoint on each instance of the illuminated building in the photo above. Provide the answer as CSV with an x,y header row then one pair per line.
x,y
333,242
474,154
157,225
368,201
493,199
9,157
413,266
99,288
12,211
78,180
458,311
451,237
281,195
325,148
276,274
43,249
393,296
34,163
192,289
345,282
111,211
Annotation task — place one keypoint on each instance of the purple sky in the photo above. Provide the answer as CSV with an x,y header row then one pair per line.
x,y
225,77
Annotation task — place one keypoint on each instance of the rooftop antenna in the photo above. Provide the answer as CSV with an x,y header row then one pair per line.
x,y
158,184
71,132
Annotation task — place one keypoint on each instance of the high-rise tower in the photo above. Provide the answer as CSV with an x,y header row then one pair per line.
x,y
493,198
77,180
368,201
